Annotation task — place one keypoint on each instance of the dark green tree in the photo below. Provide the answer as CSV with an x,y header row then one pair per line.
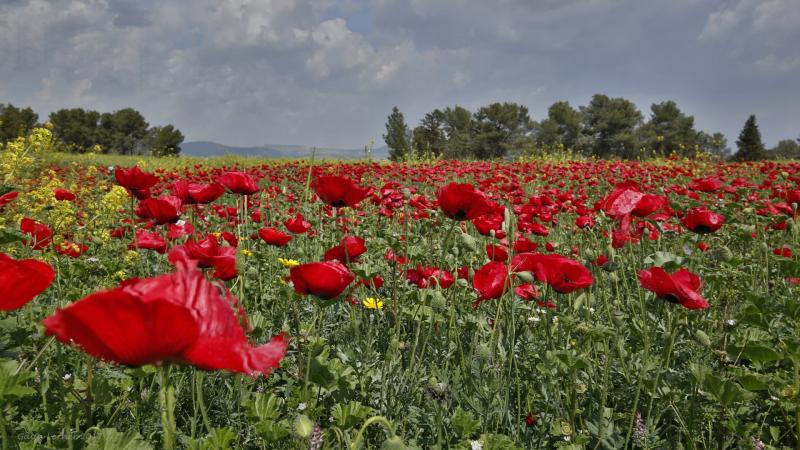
x,y
669,130
123,132
501,128
76,128
397,135
458,129
750,146
15,122
610,125
786,149
429,136
164,141
562,127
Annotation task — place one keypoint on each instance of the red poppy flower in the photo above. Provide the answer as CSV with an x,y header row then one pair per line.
x,y
42,234
424,277
162,210
707,184
497,252
627,199
681,287
526,291
208,253
149,240
349,248
63,195
193,193
180,229
22,280
490,281
462,201
7,198
298,224
71,249
786,252
338,191
137,182
563,274
700,220
239,183
530,420
274,237
180,317
525,245
325,280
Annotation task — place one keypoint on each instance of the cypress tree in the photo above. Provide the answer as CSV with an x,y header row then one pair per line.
x,y
750,146
397,135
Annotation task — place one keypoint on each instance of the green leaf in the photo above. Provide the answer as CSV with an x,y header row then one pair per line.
x,y
758,353
12,384
753,382
111,439
349,415
219,439
267,406
464,423
8,236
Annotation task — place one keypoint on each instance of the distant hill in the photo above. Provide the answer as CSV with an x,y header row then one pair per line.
x,y
207,148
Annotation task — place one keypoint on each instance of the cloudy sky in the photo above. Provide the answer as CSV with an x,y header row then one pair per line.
x,y
326,72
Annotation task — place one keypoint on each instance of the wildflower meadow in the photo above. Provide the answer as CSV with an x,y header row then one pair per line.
x,y
237,303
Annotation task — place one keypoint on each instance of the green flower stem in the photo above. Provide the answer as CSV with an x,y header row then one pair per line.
x,y
166,397
356,444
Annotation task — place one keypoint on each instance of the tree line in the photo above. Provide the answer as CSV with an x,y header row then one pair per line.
x,y
79,130
605,128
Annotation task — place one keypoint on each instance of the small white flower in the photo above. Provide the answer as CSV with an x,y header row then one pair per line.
x,y
92,260
591,310
180,223
555,319
301,407
67,376
476,445
730,322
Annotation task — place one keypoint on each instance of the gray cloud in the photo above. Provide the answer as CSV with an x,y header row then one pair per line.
x,y
324,72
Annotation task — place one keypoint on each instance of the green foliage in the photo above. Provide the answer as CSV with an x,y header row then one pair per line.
x,y
562,127
501,128
15,122
786,149
397,136
669,131
610,124
111,439
164,141
750,146
123,132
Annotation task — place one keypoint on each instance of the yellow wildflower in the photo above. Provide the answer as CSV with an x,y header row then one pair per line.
x,y
372,303
246,252
288,263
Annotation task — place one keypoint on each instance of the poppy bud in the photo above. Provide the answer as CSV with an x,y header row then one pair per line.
x,y
303,426
468,242
483,352
525,276
702,338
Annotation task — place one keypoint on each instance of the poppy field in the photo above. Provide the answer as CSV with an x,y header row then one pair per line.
x,y
469,305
